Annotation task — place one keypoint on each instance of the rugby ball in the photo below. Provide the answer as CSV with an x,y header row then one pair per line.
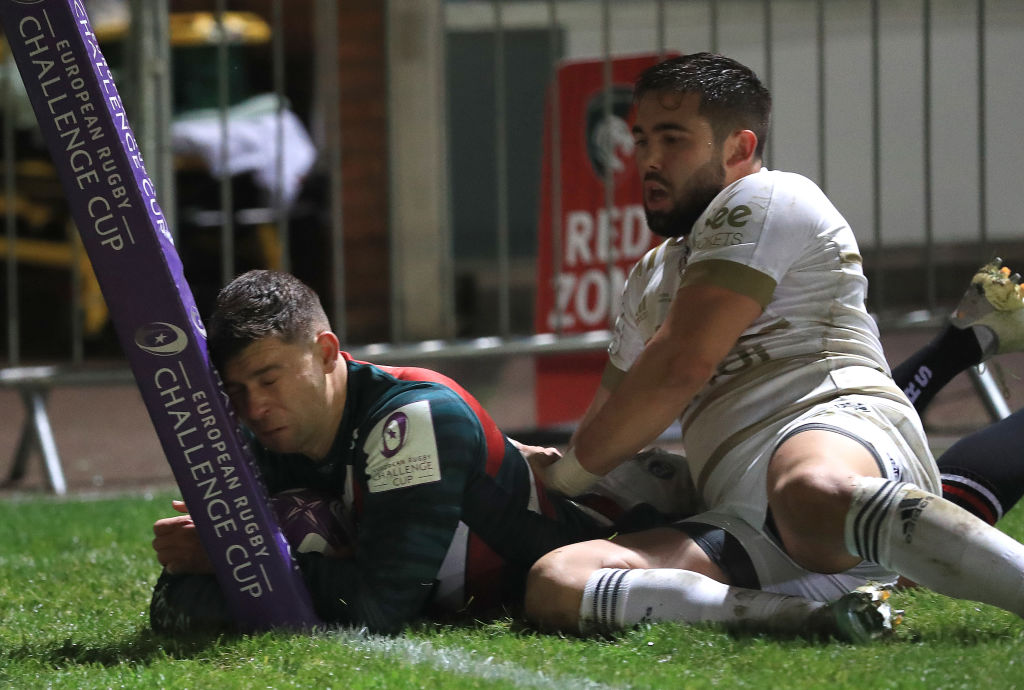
x,y
313,521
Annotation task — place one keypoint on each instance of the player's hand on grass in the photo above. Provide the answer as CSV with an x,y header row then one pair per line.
x,y
177,544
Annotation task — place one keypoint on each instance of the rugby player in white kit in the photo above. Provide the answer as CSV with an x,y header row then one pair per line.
x,y
749,325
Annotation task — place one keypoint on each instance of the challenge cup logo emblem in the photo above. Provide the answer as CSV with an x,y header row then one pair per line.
x,y
394,433
161,338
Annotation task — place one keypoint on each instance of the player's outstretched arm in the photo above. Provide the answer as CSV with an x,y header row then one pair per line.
x,y
703,324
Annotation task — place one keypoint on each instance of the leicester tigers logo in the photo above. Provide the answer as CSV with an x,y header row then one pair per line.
x,y
609,139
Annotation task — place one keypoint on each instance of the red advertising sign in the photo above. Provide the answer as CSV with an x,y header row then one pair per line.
x,y
597,242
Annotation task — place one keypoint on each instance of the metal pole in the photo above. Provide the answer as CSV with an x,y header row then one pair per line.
x,y
929,230
501,171
713,24
445,230
982,134
766,6
10,219
280,206
165,113
142,59
822,99
661,29
35,406
554,45
326,24
396,293
227,215
150,88
609,173
878,275
988,390
77,309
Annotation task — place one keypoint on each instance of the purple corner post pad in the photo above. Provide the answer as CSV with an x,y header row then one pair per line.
x,y
114,205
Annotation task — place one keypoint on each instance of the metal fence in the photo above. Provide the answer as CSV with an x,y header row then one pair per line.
x,y
903,111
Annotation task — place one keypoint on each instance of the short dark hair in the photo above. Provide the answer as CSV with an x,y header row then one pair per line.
x,y
731,95
261,304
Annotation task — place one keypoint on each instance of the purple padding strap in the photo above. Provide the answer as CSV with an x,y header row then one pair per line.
x,y
114,205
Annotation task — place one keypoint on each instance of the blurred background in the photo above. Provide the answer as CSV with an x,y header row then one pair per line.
x,y
454,178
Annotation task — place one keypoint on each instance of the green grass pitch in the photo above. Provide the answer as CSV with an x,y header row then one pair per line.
x,y
75,578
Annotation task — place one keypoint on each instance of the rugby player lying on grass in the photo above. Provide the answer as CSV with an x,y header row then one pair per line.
x,y
448,516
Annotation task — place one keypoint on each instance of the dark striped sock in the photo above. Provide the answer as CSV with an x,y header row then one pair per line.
x,y
984,472
925,372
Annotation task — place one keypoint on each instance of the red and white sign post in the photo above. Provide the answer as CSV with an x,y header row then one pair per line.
x,y
583,262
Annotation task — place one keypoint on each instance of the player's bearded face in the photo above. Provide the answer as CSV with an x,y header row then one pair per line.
x,y
679,160
700,189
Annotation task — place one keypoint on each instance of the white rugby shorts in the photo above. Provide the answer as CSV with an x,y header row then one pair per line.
x,y
891,432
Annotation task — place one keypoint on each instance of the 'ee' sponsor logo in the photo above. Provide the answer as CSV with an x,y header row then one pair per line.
x,y
735,217
394,433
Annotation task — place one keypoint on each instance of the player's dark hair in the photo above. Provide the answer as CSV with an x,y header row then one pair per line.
x,y
260,304
731,95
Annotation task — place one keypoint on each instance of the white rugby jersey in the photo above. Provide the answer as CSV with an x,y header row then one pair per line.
x,y
775,237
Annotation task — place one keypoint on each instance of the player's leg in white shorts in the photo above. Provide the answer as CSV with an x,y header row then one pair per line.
x,y
751,558
753,555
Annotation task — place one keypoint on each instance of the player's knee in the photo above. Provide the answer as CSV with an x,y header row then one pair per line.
x,y
810,488
809,510
816,471
549,595
554,587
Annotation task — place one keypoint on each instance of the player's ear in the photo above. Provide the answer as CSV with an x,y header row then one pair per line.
x,y
740,147
327,347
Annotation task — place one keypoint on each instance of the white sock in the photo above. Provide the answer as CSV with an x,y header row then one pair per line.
x,y
935,543
615,599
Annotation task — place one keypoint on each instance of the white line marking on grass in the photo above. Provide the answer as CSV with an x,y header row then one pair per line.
x,y
458,661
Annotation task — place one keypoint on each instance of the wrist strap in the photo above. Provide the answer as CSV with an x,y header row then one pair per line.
x,y
567,476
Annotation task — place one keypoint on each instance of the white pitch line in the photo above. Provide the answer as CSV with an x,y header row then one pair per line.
x,y
458,661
